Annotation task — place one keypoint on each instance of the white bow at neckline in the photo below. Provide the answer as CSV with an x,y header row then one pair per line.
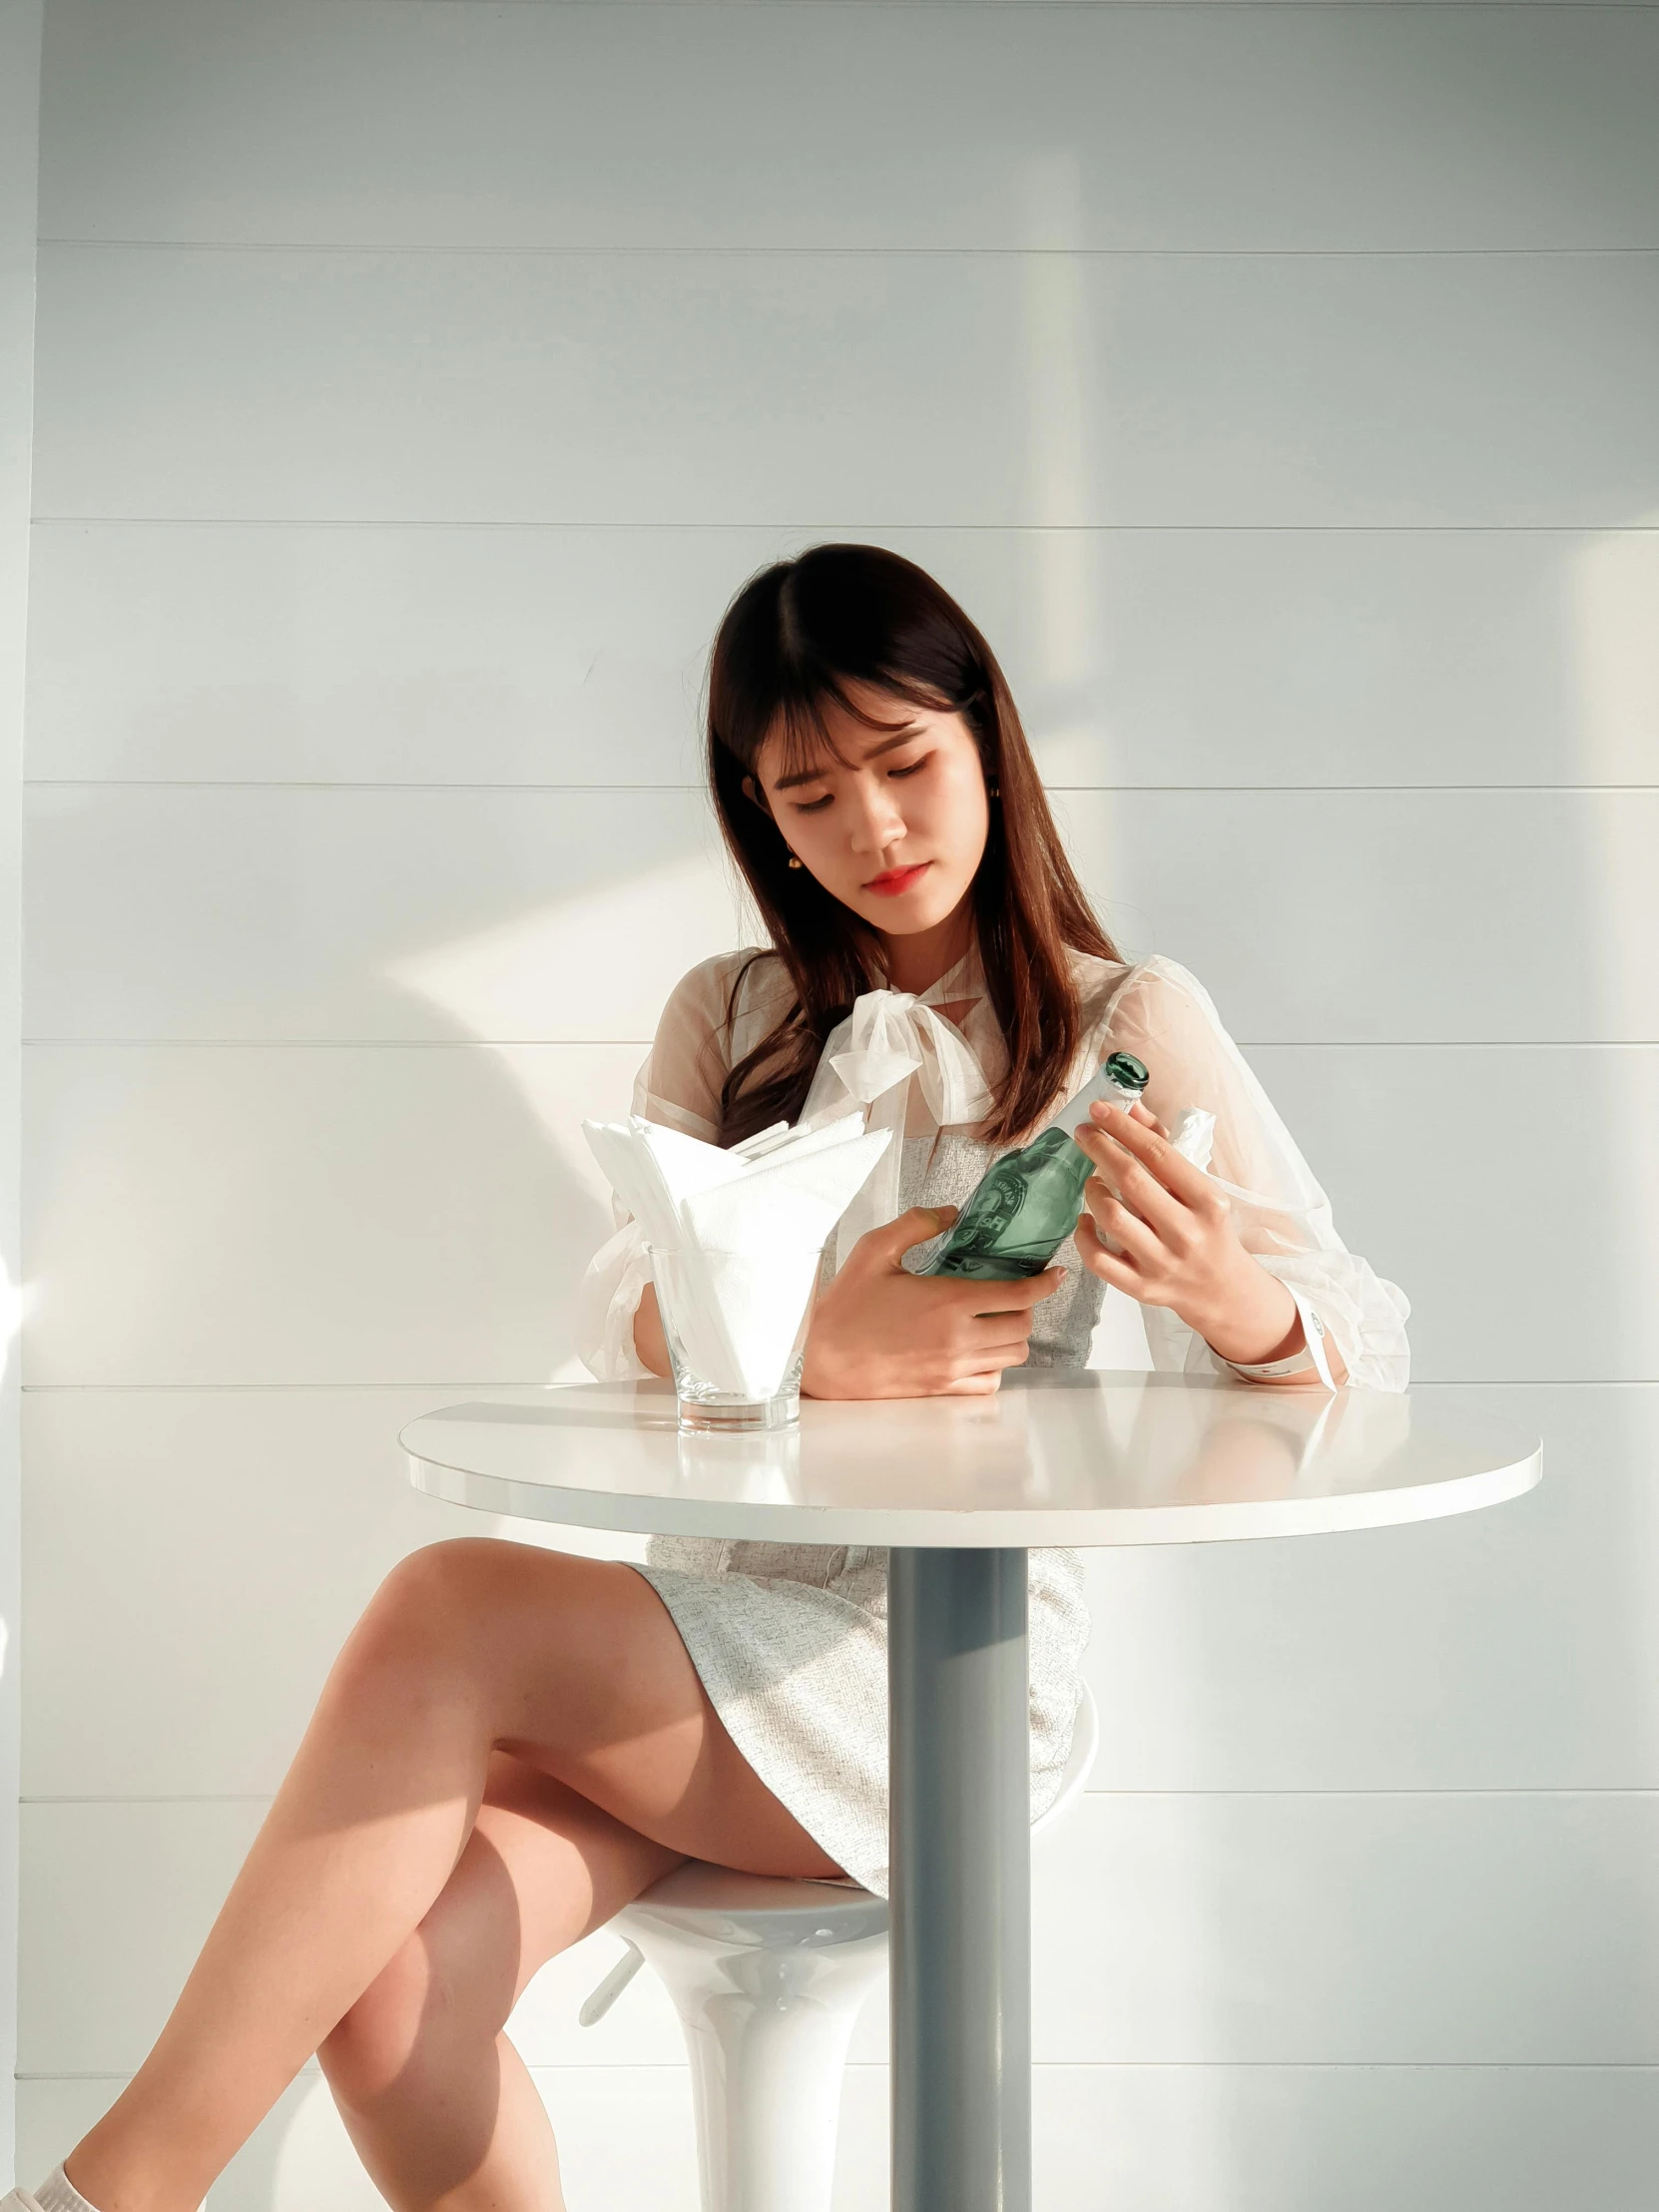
x,y
893,1035
870,1056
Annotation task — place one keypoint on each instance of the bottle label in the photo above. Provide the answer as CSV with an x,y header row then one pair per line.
x,y
1019,1215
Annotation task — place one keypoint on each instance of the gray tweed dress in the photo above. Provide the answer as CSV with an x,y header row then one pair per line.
x,y
790,1640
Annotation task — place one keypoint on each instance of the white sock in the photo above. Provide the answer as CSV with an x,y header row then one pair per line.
x,y
57,2193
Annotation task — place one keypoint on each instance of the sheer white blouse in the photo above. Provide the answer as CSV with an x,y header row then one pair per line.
x,y
920,1072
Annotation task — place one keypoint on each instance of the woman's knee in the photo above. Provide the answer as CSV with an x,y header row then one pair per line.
x,y
440,1584
371,2048
480,1599
452,1585
446,1992
415,1648
429,1603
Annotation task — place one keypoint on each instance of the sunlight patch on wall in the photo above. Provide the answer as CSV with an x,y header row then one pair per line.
x,y
1614,602
1613,593
16,1301
594,969
597,968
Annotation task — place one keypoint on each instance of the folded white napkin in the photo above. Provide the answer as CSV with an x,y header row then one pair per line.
x,y
741,1231
1193,1134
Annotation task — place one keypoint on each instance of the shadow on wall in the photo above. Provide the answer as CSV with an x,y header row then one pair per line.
x,y
353,1183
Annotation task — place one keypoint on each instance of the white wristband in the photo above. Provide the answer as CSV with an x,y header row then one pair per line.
x,y
1311,1354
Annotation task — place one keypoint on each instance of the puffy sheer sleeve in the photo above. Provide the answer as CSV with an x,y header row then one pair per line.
x,y
1164,1016
714,1016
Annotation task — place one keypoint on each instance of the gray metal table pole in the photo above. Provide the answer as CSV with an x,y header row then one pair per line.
x,y
960,1769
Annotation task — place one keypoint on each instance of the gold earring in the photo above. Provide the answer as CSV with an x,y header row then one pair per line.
x,y
995,788
793,863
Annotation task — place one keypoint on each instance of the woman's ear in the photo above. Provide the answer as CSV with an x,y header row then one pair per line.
x,y
754,793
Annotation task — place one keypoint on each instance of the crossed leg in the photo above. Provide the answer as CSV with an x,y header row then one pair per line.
x,y
439,2104
511,1745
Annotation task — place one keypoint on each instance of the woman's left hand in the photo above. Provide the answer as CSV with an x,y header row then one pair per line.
x,y
1176,1241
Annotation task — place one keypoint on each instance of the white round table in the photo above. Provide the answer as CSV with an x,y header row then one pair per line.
x,y
960,1489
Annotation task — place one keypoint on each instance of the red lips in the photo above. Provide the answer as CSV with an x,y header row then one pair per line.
x,y
898,879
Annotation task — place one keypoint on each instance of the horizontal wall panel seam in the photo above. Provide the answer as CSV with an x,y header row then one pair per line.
x,y
1003,530
843,523
1438,2066
42,1389
194,1797
854,252
1064,7
639,790
540,1383
1543,1793
306,1388
642,1044
1098,2065
311,2070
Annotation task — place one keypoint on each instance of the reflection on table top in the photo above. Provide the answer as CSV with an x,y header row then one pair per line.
x,y
1074,1458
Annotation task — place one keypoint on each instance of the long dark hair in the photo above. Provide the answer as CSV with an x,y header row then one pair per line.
x,y
791,641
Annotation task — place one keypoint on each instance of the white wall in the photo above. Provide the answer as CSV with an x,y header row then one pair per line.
x,y
1274,383
20,29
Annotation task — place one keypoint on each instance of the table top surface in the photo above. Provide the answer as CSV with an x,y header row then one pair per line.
x,y
1081,1457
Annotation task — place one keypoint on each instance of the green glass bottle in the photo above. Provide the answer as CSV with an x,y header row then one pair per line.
x,y
1025,1207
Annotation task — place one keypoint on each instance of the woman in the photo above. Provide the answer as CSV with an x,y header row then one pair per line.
x,y
514,1743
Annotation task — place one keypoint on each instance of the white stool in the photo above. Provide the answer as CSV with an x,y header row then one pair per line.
x,y
768,1976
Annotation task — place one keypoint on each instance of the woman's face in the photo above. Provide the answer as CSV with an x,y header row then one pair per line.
x,y
898,835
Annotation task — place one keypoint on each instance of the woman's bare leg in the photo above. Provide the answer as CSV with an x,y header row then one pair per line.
x,y
442,2108
572,1664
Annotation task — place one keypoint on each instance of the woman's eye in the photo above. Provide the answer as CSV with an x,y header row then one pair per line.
x,y
813,806
910,767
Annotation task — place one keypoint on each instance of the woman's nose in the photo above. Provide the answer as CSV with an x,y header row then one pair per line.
x,y
878,821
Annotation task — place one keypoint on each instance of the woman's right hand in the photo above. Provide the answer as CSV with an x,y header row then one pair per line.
x,y
878,1332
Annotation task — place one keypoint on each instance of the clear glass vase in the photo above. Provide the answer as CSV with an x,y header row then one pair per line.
x,y
737,1356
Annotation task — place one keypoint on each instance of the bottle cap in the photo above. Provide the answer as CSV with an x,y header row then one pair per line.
x,y
1123,1069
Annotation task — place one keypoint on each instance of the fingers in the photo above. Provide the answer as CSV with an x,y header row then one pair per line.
x,y
1024,1293
1111,1266
980,1341
994,1351
1150,1176
1112,1219
1142,1112
964,1327
1160,1160
1122,1178
984,1370
886,1246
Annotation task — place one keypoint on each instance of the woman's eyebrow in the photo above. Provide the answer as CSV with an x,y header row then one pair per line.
x,y
812,775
